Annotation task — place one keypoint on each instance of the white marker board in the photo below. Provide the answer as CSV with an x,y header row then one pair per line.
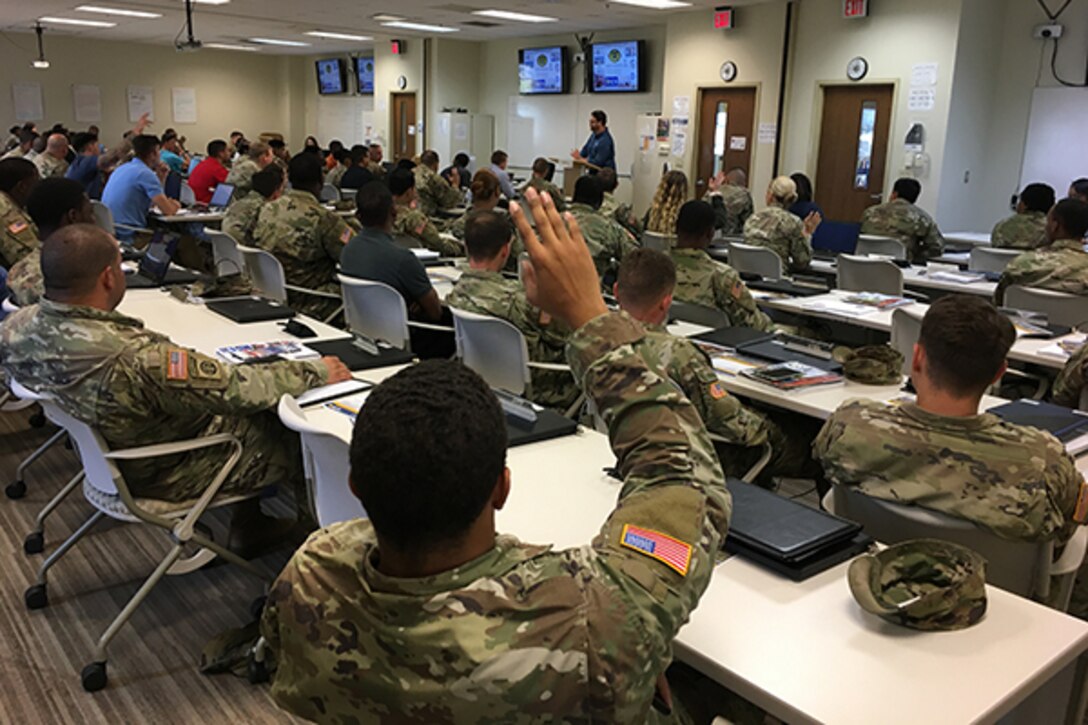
x,y
1056,152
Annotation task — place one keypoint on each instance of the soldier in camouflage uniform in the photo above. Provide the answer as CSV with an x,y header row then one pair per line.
x,y
1026,229
539,181
137,388
622,214
900,219
492,629
607,240
241,173
374,162
1060,265
19,236
703,281
306,238
52,161
1015,481
779,230
731,200
434,192
241,217
412,222
485,197
1072,382
484,290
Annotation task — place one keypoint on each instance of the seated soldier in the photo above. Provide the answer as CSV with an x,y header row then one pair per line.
x,y
485,197
614,210
703,281
541,180
258,157
435,193
939,452
18,237
900,219
53,204
341,158
357,174
731,200
512,632
306,238
412,222
1026,229
241,217
780,231
1061,264
483,289
1071,387
137,388
607,240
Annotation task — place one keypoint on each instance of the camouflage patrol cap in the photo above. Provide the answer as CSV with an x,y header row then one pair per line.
x,y
873,365
923,584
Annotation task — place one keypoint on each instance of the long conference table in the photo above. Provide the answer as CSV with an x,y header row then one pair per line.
x,y
803,651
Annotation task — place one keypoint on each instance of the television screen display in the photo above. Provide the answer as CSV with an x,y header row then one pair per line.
x,y
364,74
542,70
331,77
617,67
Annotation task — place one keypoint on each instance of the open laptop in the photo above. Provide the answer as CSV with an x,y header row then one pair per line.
x,y
221,198
154,266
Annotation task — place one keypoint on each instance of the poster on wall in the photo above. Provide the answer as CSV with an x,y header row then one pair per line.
x,y
87,101
27,98
183,101
141,100
922,99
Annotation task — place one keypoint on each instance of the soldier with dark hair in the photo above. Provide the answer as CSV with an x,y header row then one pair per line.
x,y
607,240
900,219
241,216
434,192
19,236
410,221
1026,229
1061,264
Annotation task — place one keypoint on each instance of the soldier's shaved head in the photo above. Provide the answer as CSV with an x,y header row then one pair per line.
x,y
486,233
1069,220
73,258
645,278
57,145
965,340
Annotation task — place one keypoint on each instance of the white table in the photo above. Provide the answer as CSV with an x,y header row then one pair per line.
x,y
918,277
214,217
967,239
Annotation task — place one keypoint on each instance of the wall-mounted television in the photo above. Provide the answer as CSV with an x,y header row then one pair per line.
x,y
618,67
331,76
543,70
364,74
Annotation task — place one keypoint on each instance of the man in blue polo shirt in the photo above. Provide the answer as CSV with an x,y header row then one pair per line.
x,y
135,186
599,150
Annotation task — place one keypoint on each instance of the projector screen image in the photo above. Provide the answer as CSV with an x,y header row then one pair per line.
x,y
364,74
330,76
542,70
617,67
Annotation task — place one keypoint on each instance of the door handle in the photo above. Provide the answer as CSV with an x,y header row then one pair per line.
x,y
876,197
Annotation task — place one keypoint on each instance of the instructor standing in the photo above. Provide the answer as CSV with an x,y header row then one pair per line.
x,y
599,150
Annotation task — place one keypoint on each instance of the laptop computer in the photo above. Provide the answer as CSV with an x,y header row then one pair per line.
x,y
356,357
155,265
172,186
220,200
788,348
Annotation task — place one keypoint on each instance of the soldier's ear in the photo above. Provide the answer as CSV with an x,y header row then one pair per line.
x,y
1000,373
501,491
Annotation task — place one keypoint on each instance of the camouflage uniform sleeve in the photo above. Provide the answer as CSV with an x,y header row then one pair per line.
x,y
800,249
933,244
425,230
1017,272
185,380
18,238
722,413
335,233
735,299
1072,380
444,195
673,494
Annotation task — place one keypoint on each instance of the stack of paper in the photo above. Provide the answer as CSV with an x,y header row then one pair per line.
x,y
258,351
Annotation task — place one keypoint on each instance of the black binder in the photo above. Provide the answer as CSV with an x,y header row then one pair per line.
x,y
787,536
733,337
250,309
548,424
787,287
776,351
1064,423
173,276
356,358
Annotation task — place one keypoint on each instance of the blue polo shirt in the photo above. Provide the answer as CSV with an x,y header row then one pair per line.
x,y
128,194
84,169
173,161
600,150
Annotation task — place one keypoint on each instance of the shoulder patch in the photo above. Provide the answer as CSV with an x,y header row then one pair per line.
x,y
177,366
421,227
17,227
717,391
345,236
671,552
738,290
1080,512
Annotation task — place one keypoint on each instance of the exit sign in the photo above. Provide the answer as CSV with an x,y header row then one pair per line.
x,y
855,8
723,18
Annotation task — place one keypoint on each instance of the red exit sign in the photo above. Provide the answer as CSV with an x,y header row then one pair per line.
x,y
723,18
855,8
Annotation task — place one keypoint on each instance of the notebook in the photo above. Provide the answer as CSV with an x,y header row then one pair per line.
x,y
785,286
733,337
782,350
1067,425
250,309
356,357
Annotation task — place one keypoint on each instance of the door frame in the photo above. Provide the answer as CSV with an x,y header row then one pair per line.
x,y
693,179
393,122
813,162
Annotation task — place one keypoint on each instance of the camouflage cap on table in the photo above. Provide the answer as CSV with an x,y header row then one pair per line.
x,y
923,584
873,365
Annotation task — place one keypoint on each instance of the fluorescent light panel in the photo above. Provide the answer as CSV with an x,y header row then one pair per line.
x,y
386,18
277,41
117,11
76,21
655,4
210,2
338,36
422,27
228,46
519,17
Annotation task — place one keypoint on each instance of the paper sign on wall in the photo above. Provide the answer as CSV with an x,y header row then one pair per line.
x,y
141,100
767,132
738,143
662,130
681,105
460,131
923,74
679,142
184,103
28,101
87,100
922,99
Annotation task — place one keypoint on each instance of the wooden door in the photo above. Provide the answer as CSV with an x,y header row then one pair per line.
x,y
403,110
725,133
853,150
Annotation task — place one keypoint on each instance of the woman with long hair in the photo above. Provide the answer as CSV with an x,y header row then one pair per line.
x,y
672,192
775,228
485,197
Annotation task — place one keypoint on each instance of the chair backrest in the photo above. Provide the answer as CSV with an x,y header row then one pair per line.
x,y
1017,566
752,259
226,254
988,259
330,193
861,274
698,314
906,328
376,310
103,217
326,464
658,241
406,241
493,348
1060,308
883,246
266,273
8,306
187,197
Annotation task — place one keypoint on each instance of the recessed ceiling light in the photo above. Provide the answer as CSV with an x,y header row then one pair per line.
x,y
210,2
520,17
75,21
228,46
422,27
277,41
117,11
338,36
385,18
655,4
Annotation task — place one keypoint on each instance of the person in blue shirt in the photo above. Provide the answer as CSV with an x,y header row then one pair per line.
x,y
135,186
172,154
499,159
599,150
804,204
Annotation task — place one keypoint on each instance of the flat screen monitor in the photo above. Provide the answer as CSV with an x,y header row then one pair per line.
x,y
331,78
364,74
618,67
543,70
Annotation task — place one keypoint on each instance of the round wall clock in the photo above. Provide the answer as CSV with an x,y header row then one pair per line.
x,y
857,68
728,71
402,82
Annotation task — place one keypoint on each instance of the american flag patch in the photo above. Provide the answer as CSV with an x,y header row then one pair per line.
x,y
178,367
1080,512
669,551
16,227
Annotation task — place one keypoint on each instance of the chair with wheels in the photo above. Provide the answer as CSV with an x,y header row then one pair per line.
x,y
876,245
989,259
1060,308
861,274
753,259
17,488
697,314
906,328
103,217
378,311
658,241
227,257
329,193
266,273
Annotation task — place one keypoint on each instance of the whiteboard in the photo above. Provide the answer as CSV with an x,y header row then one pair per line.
x,y
348,119
1056,152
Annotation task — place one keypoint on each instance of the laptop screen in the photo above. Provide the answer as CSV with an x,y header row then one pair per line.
x,y
222,195
156,260
172,187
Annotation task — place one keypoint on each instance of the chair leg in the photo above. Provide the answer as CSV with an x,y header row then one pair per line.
x,y
226,553
18,488
34,543
68,544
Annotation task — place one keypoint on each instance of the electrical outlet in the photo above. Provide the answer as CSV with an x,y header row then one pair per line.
x,y
1048,32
